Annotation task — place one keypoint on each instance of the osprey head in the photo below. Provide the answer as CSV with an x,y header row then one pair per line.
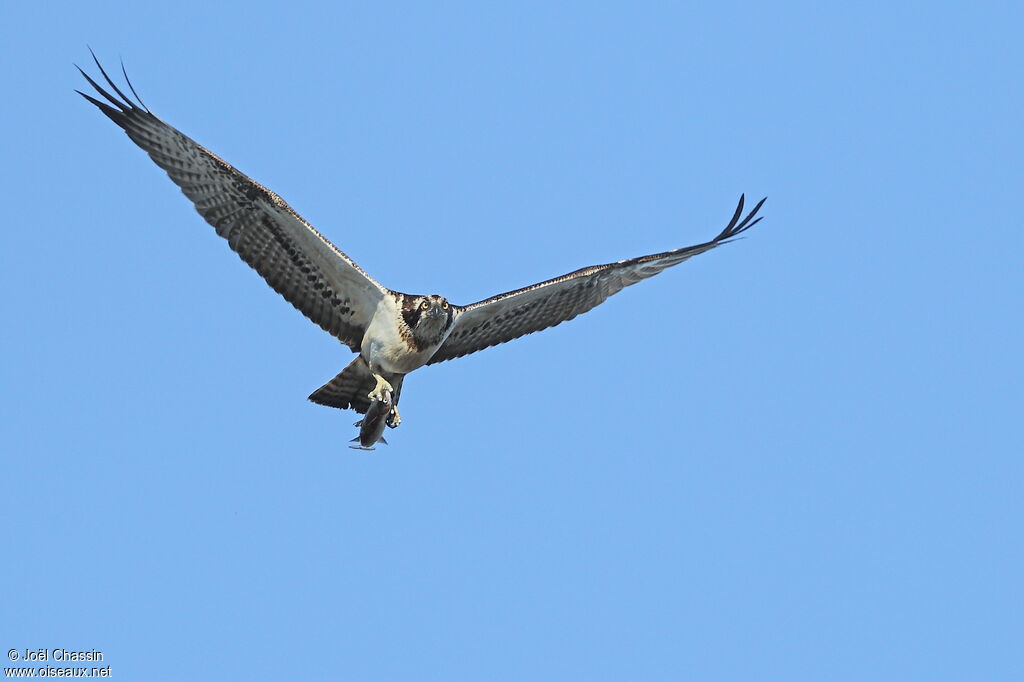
x,y
428,317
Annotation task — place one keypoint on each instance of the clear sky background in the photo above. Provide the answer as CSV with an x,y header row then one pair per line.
x,y
796,457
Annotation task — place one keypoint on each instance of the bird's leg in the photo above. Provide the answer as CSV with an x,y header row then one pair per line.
x,y
378,392
394,419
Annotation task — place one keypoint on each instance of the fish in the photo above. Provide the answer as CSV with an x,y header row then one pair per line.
x,y
371,426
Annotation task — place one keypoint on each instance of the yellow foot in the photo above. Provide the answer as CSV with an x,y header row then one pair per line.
x,y
382,387
394,419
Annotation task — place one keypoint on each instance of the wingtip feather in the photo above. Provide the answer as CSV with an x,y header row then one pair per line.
x,y
111,83
131,87
737,226
103,93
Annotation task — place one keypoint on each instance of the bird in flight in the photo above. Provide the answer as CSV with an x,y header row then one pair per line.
x,y
393,333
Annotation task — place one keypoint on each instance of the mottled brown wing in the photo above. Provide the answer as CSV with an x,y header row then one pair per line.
x,y
516,313
296,260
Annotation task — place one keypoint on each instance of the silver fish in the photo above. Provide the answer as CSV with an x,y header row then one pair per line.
x,y
371,426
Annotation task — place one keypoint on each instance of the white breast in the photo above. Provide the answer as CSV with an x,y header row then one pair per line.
x,y
383,346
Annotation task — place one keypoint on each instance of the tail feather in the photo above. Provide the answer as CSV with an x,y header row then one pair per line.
x,y
350,388
347,390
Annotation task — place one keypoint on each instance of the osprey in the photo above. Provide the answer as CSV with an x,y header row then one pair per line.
x,y
393,333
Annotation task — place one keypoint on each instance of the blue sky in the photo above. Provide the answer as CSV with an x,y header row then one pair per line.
x,y
796,457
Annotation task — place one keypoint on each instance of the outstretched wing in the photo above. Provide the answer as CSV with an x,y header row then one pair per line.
x,y
524,311
296,260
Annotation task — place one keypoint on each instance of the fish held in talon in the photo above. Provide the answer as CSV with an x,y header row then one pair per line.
x,y
371,427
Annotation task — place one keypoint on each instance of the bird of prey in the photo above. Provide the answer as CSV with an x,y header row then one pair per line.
x,y
393,333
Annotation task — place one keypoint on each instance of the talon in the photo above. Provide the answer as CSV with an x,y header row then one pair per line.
x,y
382,387
394,419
